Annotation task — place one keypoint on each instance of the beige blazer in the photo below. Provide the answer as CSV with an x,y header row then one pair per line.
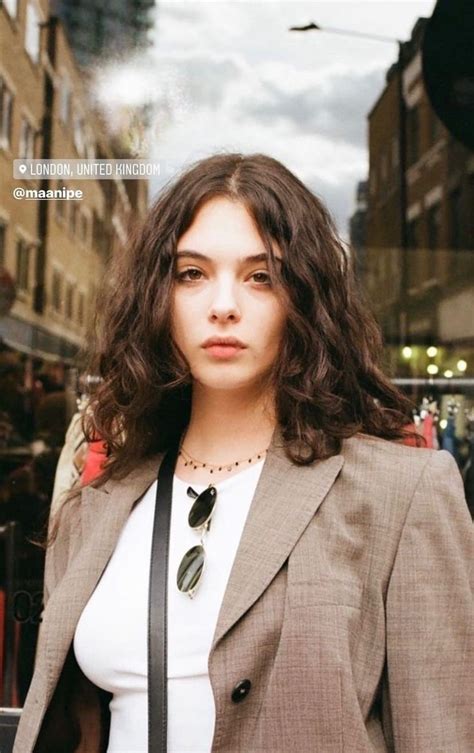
x,y
349,608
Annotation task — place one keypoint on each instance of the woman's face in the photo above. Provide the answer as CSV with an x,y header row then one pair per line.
x,y
219,292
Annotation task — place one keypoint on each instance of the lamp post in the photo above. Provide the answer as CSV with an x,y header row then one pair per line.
x,y
402,158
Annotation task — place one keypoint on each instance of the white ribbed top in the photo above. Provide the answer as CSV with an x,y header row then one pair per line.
x,y
110,641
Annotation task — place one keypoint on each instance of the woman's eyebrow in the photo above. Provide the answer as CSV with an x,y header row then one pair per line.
x,y
198,255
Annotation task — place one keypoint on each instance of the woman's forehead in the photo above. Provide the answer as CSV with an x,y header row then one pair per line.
x,y
222,227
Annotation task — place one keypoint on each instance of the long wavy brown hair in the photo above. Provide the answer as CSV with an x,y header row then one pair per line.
x,y
328,382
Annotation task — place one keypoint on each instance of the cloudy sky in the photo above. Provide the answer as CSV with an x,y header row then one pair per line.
x,y
230,76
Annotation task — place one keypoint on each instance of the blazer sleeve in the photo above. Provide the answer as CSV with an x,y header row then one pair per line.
x,y
58,554
56,558
428,693
67,541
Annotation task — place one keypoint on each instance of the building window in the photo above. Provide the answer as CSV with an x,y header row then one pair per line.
x,y
413,135
65,100
470,232
92,296
61,203
79,134
373,180
73,217
32,32
413,233
69,300
455,223
83,228
435,127
3,242
56,290
11,6
434,225
22,264
6,107
90,148
80,308
27,140
395,153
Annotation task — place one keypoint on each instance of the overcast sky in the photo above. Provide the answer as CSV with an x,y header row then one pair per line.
x,y
230,76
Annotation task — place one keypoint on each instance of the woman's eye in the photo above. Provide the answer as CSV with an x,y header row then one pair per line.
x,y
266,281
182,275
192,275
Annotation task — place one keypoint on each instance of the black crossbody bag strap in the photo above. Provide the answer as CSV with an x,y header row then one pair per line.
x,y
158,607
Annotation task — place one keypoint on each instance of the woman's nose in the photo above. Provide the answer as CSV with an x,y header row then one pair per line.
x,y
224,301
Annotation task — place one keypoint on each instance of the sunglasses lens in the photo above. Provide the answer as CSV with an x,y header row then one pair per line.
x,y
190,569
202,507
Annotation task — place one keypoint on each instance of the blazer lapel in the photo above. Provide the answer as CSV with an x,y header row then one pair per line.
x,y
120,495
286,498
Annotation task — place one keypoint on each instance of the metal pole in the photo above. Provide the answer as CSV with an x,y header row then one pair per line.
x,y
311,26
47,126
402,159
430,382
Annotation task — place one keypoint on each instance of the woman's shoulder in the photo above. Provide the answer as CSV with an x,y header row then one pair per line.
x,y
388,448
394,459
394,476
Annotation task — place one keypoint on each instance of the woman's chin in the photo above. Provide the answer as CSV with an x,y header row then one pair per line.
x,y
223,382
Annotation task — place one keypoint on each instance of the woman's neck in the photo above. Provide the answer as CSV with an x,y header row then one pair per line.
x,y
224,429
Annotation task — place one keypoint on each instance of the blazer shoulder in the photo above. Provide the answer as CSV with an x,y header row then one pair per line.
x,y
398,474
388,450
392,464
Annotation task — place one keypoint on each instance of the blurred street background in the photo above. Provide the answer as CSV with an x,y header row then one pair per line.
x,y
346,94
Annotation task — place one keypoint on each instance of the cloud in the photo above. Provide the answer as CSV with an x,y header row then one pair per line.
x,y
204,81
335,107
229,76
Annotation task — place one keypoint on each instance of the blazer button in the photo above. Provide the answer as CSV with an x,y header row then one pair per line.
x,y
241,690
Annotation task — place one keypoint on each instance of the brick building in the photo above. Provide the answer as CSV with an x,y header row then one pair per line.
x,y
56,250
358,228
22,84
427,288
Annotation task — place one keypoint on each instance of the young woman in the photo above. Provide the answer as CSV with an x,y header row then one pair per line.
x,y
334,609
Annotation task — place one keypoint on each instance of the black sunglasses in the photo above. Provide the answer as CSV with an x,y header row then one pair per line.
x,y
192,564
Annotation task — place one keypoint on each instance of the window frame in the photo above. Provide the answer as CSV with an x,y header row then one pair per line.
x,y
65,99
3,241
32,19
26,144
56,290
22,261
13,13
6,114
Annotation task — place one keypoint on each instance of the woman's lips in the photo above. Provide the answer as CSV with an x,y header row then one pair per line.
x,y
224,351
